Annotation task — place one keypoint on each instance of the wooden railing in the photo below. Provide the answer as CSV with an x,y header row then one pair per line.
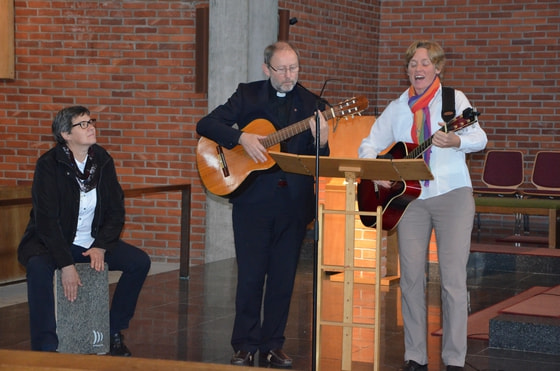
x,y
184,250
21,197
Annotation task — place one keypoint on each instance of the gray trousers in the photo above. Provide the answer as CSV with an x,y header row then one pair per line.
x,y
451,215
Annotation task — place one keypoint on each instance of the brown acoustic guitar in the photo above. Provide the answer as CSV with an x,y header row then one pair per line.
x,y
224,170
395,200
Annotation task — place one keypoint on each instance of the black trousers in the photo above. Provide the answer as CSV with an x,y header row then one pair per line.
x,y
268,238
132,261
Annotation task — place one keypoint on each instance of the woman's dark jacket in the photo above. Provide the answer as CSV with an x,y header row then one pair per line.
x,y
56,199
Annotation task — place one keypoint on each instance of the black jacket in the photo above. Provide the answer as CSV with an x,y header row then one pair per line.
x,y
252,101
56,198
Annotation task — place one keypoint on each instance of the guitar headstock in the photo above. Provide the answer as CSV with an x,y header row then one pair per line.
x,y
467,118
350,107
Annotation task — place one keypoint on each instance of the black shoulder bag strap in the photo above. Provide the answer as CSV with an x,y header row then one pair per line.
x,y
448,103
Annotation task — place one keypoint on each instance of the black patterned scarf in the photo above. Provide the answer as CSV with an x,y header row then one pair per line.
x,y
88,179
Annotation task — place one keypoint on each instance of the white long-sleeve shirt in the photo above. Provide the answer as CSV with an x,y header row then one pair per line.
x,y
88,201
447,165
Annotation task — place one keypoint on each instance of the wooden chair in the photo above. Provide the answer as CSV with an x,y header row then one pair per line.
x,y
545,176
502,175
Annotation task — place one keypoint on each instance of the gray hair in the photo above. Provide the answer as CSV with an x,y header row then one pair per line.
x,y
277,46
62,122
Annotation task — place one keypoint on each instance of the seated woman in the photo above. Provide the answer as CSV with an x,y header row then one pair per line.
x,y
77,216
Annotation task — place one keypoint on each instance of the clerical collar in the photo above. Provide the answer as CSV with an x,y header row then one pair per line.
x,y
280,94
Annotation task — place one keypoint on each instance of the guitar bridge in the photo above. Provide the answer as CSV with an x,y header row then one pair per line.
x,y
222,160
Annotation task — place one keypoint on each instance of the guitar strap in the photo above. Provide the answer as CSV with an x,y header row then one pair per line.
x,y
448,103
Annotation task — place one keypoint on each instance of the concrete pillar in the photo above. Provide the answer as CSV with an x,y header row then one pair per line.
x,y
239,32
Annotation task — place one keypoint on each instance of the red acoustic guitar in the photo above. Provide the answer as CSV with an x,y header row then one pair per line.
x,y
223,170
395,200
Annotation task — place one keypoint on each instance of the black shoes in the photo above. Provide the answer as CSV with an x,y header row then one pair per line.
x,y
275,358
414,366
242,358
117,346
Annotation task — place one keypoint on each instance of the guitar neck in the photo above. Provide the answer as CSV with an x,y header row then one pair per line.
x,y
292,130
417,152
467,118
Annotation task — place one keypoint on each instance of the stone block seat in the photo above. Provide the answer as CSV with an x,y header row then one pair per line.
x,y
82,326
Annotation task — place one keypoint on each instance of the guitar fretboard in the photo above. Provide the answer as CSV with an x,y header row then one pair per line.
x,y
467,118
350,107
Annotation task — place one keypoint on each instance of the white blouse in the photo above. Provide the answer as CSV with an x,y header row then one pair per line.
x,y
448,165
88,201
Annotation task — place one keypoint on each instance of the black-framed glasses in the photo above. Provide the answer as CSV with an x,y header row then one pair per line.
x,y
284,70
85,124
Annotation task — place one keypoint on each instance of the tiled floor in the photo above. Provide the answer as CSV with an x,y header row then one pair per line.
x,y
192,320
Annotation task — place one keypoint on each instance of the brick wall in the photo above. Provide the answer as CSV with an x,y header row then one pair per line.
x,y
502,54
132,64
338,42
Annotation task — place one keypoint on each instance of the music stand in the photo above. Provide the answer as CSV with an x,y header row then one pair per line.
x,y
350,169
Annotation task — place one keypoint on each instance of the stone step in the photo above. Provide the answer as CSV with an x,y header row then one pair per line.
x,y
532,325
508,258
525,333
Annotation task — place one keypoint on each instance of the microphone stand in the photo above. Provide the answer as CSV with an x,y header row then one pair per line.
x,y
315,239
316,223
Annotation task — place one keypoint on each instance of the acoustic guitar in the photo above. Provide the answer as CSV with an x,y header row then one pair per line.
x,y
395,200
224,170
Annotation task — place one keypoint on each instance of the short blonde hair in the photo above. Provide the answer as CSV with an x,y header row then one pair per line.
x,y
435,53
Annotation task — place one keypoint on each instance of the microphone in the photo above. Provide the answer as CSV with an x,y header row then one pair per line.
x,y
319,98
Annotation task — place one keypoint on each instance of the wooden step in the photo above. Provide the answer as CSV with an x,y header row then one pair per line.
x,y
20,360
